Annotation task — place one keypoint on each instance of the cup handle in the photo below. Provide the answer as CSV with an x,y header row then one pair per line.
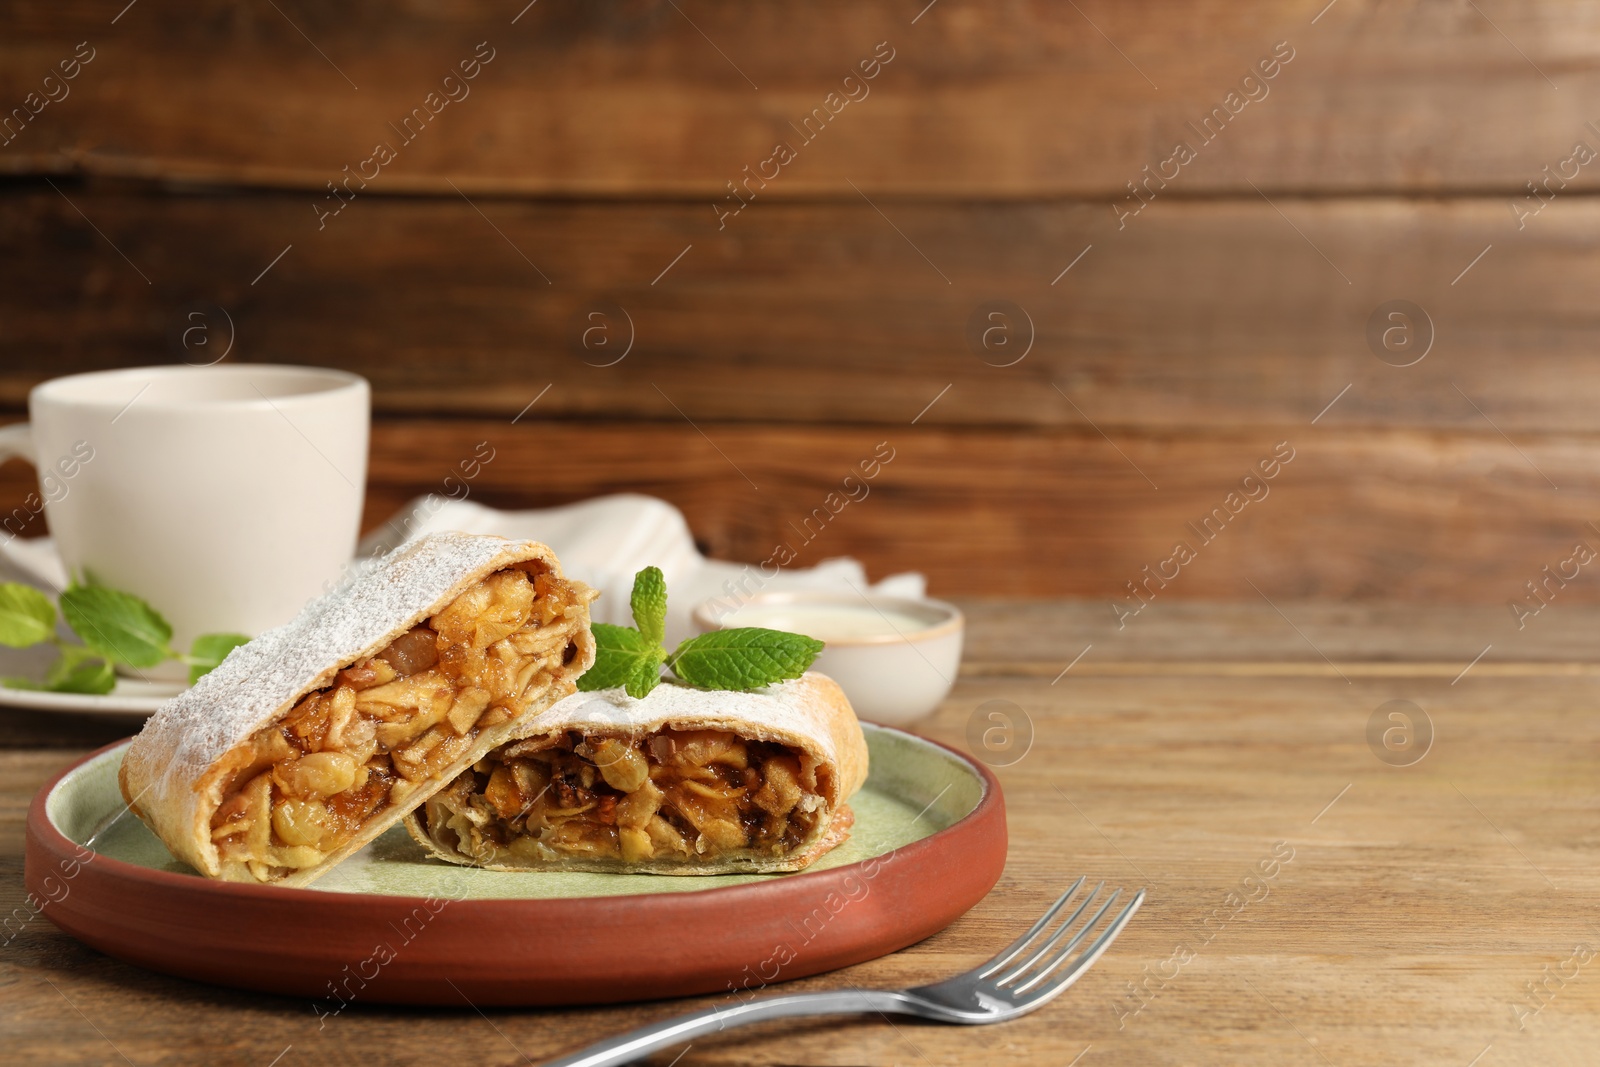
x,y
16,442
35,557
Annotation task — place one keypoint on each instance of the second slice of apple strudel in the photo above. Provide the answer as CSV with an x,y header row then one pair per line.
x,y
683,781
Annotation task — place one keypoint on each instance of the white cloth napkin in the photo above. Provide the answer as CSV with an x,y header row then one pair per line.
x,y
605,541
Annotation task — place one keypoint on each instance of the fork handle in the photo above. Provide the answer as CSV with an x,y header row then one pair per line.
x,y
647,1039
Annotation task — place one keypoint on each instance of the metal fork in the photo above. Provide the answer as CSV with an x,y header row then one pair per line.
x,y
996,992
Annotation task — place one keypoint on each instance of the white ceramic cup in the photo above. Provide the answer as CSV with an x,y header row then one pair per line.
x,y
226,497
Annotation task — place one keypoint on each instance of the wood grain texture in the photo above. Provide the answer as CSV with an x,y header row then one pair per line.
x,y
632,97
1417,904
1196,315
1361,514
1041,637
1356,514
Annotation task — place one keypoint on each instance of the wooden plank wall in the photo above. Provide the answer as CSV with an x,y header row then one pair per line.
x,y
782,326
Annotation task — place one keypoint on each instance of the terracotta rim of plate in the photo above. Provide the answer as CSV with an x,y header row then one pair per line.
x,y
339,948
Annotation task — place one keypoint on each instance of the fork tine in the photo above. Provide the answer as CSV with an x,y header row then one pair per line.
x,y
1066,928
1015,948
1090,954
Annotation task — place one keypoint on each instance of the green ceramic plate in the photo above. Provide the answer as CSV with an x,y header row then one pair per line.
x,y
928,842
914,789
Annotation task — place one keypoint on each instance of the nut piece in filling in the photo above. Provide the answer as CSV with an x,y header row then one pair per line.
x,y
388,723
673,797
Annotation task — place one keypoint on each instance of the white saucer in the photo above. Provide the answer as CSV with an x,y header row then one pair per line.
x,y
131,699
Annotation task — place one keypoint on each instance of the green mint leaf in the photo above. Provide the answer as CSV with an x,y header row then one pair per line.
x,y
743,659
71,656
649,604
118,626
26,615
76,670
90,676
209,650
622,658
647,675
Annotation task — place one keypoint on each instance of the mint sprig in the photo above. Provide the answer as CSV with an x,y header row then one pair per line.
x,y
740,659
115,628
746,658
120,627
26,615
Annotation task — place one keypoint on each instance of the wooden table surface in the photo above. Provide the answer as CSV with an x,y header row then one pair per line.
x,y
1312,900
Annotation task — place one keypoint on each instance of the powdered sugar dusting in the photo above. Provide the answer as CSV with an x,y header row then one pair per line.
x,y
260,680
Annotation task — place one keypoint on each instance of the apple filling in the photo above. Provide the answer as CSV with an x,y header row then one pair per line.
x,y
305,785
672,797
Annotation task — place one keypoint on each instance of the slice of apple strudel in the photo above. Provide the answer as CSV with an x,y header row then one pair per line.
x,y
310,740
683,781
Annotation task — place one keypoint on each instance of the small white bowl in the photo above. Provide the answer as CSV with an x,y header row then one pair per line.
x,y
892,678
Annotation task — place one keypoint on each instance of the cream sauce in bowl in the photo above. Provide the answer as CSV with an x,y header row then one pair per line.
x,y
830,622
